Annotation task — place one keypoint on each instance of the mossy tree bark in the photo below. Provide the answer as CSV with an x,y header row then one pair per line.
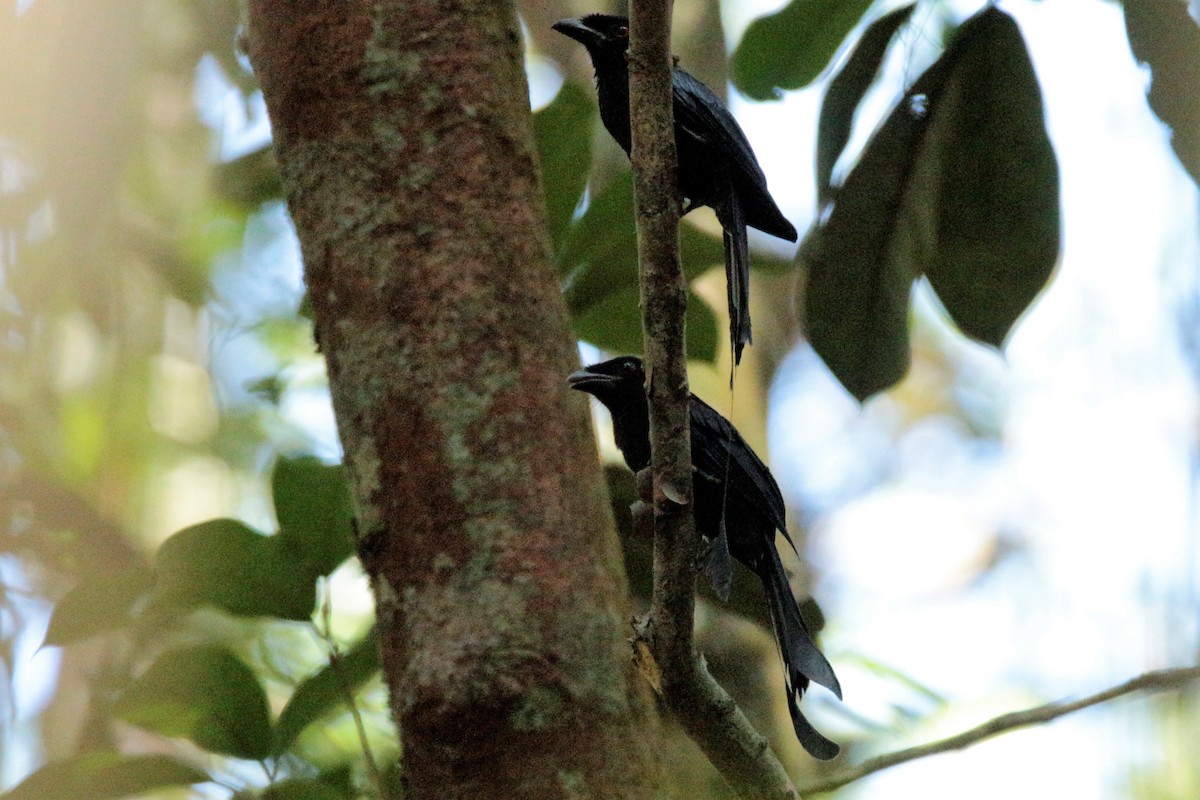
x,y
403,137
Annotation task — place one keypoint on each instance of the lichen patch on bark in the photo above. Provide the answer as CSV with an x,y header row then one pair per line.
x,y
404,140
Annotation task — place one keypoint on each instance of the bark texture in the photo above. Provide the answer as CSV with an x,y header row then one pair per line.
x,y
403,137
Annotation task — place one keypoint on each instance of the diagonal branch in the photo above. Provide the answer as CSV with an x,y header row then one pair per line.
x,y
1159,680
701,706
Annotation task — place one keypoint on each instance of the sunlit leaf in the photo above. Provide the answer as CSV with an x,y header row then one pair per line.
x,y
312,504
97,605
788,49
1164,35
563,134
226,564
205,694
99,776
327,689
845,91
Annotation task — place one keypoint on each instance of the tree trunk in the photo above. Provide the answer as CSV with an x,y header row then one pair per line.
x,y
403,137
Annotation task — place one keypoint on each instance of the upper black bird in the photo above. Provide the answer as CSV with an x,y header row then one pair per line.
x,y
738,508
717,168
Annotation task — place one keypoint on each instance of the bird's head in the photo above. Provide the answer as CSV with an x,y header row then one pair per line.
x,y
615,382
601,34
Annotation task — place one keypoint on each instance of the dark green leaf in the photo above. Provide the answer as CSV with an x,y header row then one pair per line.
x,y
600,256
788,49
327,689
312,504
1164,35
845,91
563,133
99,776
205,694
856,298
700,252
889,224
306,789
615,324
97,605
226,564
995,185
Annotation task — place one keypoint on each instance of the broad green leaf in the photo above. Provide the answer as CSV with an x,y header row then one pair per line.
x,y
845,91
226,564
788,49
99,776
327,689
994,185
600,259
856,297
563,134
1164,35
205,694
97,605
312,504
905,210
615,324
600,256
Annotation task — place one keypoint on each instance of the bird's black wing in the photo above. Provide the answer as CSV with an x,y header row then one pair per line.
x,y
702,115
720,454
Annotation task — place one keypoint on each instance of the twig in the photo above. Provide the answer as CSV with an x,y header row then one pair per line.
x,y
701,706
325,633
1158,680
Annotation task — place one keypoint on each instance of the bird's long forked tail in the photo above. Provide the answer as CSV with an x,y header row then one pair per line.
x,y
814,742
732,217
802,661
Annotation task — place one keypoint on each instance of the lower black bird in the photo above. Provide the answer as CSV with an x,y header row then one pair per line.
x,y
738,509
717,168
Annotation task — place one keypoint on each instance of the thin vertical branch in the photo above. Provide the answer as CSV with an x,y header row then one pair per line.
x,y
664,302
701,706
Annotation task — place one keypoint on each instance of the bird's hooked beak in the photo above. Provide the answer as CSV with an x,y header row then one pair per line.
x,y
577,31
585,380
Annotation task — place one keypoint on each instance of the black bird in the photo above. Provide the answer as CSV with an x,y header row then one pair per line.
x,y
717,168
738,508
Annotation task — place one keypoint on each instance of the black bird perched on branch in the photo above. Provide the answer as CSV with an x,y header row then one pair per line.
x,y
717,168
738,508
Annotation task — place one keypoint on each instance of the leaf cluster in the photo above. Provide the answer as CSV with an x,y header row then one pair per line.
x,y
208,693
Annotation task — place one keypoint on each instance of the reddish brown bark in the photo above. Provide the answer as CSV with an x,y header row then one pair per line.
x,y
403,137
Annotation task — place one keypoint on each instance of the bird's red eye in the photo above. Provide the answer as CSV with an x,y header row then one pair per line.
x,y
623,32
